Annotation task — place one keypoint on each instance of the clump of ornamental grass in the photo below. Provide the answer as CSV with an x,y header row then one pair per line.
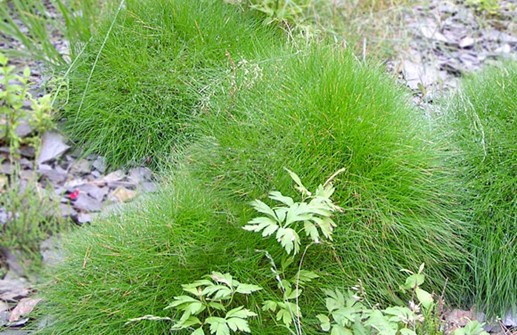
x,y
315,112
481,120
133,264
151,66
319,111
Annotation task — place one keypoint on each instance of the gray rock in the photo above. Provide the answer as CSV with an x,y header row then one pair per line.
x,y
100,164
51,252
83,218
140,174
12,262
85,203
5,168
13,289
80,167
27,151
52,147
67,210
466,42
149,187
510,319
24,129
54,175
96,192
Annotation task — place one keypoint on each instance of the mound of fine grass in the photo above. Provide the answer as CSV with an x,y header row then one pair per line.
x,y
483,123
313,112
139,82
317,112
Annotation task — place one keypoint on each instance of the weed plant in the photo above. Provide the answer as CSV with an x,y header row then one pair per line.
x,y
315,112
150,68
482,123
36,25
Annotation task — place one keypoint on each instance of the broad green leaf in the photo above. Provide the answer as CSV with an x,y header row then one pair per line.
x,y
298,182
198,331
226,278
180,300
194,308
240,312
344,315
311,231
407,331
334,300
425,298
248,288
215,289
271,229
400,314
339,330
238,324
3,59
381,324
292,294
193,289
324,322
263,208
275,195
188,322
269,305
217,306
326,225
414,281
285,316
218,326
305,276
289,239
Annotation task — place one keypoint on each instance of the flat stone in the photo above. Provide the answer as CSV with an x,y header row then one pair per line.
x,y
510,319
27,151
13,289
122,194
100,164
96,192
5,168
54,175
12,262
466,42
86,203
83,218
4,306
51,252
80,167
148,187
24,129
140,174
52,147
67,210
15,332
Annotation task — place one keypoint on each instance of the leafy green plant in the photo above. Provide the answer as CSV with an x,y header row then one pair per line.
x,y
313,211
206,309
30,209
471,328
35,24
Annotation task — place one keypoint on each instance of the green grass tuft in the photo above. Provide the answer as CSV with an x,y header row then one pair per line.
x,y
484,128
313,112
142,78
317,112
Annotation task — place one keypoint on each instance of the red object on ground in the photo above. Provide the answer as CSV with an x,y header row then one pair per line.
x,y
74,195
